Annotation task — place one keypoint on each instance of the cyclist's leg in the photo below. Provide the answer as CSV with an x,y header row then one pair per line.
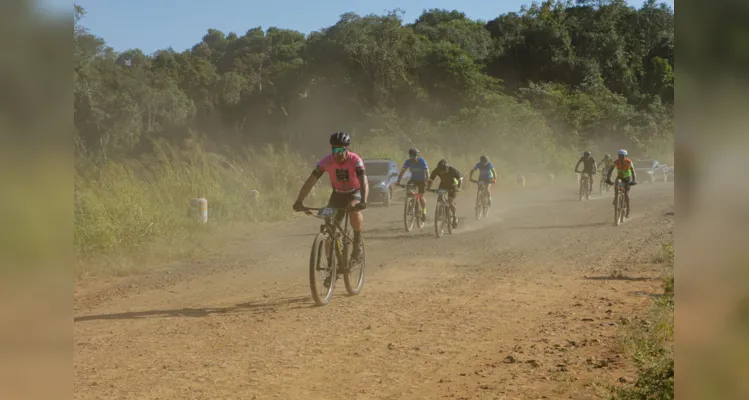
x,y
357,222
626,192
451,194
590,181
422,199
489,191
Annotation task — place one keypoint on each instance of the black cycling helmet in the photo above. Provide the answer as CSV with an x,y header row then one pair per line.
x,y
340,139
413,152
586,154
442,163
484,158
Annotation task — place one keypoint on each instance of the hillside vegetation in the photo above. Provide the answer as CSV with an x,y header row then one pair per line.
x,y
253,110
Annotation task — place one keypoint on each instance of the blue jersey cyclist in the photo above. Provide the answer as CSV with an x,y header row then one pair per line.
x,y
419,175
487,174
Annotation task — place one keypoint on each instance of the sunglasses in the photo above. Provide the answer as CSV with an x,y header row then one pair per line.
x,y
339,150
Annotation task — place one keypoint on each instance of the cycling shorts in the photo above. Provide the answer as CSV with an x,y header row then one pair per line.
x,y
343,200
420,186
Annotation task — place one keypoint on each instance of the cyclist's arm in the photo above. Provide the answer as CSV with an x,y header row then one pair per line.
x,y
431,179
494,174
595,164
578,163
470,175
459,176
608,175
400,176
363,183
632,168
309,184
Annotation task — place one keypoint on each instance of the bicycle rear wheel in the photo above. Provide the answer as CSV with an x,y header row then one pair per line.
x,y
322,269
353,279
408,213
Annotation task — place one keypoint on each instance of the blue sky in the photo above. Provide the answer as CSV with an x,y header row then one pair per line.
x,y
157,24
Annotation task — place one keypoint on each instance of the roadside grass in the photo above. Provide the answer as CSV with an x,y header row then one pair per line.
x,y
650,345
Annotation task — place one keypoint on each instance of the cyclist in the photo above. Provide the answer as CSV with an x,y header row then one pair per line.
x,y
419,174
487,174
606,164
349,181
625,170
589,167
450,180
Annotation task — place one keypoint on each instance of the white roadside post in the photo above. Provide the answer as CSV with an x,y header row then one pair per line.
x,y
254,195
202,206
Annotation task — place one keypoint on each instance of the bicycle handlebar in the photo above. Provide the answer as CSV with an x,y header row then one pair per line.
x,y
308,210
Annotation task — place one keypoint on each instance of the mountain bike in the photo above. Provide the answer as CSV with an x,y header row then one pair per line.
x,y
584,192
482,200
620,202
333,245
412,208
442,213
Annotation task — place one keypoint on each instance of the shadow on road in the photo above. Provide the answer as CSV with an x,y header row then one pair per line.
x,y
588,225
255,306
617,278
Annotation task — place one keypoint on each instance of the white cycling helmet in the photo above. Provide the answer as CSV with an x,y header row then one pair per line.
x,y
622,152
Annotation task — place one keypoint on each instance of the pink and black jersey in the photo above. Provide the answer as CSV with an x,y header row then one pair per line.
x,y
343,176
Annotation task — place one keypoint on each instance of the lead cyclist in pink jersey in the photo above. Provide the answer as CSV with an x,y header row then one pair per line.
x,y
349,181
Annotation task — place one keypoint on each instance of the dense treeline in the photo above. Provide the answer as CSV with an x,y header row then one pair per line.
x,y
555,75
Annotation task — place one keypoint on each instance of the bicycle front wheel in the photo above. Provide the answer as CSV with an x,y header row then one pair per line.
x,y
322,269
618,210
479,204
408,214
439,223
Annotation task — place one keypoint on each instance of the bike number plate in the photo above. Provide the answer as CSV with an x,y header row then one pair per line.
x,y
326,212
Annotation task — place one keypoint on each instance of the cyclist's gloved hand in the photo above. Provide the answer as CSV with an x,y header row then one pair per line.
x,y
360,206
298,206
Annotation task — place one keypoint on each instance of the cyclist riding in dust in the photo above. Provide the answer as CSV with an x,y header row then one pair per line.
x,y
625,170
487,175
589,167
606,164
419,174
349,181
450,180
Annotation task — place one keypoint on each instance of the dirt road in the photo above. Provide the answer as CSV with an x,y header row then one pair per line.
x,y
527,304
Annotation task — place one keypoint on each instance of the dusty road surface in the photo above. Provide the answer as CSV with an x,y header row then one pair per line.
x,y
526,304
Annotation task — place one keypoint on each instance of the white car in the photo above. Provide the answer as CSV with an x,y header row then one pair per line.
x,y
654,170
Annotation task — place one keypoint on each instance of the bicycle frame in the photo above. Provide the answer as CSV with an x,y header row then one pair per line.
x,y
332,226
412,191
